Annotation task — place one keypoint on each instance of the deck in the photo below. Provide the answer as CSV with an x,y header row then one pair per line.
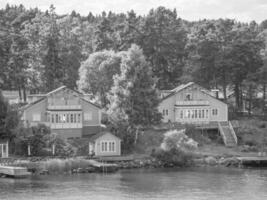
x,y
253,161
14,172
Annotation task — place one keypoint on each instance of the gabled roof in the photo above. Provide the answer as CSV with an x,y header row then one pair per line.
x,y
178,89
184,86
43,96
98,135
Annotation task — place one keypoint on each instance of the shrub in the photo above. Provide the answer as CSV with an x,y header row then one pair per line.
x,y
178,140
176,149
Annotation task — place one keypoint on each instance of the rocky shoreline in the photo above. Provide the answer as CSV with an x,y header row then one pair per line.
x,y
38,166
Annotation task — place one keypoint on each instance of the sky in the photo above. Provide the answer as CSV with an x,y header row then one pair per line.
x,y
241,10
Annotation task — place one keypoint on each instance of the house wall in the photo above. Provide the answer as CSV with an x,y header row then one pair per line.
x,y
108,138
68,133
167,104
38,108
95,114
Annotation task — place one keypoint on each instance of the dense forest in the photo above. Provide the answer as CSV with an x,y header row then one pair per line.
x,y
40,51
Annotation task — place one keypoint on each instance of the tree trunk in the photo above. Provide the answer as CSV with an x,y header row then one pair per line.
x,y
237,96
263,97
24,94
250,100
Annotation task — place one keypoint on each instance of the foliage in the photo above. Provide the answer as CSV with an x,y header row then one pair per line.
x,y
133,96
97,72
175,139
9,119
176,149
173,157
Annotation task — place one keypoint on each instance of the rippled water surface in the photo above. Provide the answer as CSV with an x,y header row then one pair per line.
x,y
193,183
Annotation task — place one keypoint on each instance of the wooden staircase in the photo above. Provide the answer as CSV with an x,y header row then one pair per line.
x,y
228,134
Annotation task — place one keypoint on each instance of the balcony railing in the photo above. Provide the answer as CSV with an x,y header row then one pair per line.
x,y
192,103
64,107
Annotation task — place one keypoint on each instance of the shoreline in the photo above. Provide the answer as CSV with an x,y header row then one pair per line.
x,y
54,166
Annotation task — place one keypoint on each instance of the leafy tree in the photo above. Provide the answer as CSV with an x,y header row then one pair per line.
x,y
164,39
96,74
133,96
9,119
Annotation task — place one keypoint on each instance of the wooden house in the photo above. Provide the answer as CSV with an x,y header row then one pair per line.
x,y
105,144
192,104
67,112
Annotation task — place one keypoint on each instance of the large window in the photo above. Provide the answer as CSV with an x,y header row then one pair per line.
x,y
193,113
64,117
108,146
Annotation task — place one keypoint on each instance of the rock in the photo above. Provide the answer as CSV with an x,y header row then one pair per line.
x,y
210,160
228,162
199,161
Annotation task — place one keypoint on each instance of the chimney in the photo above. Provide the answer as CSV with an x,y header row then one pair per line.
x,y
215,93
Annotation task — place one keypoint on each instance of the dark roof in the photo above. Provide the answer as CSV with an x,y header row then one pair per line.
x,y
98,135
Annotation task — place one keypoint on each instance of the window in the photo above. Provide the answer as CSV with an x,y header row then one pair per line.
x,y
188,96
56,118
166,112
88,116
181,114
108,146
79,118
207,113
71,118
214,111
36,117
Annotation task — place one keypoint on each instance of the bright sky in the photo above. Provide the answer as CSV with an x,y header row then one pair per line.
x,y
241,10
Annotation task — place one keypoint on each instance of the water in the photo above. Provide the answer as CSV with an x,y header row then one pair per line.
x,y
184,184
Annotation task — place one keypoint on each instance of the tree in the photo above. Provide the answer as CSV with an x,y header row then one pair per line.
x,y
163,41
97,72
53,71
133,97
9,119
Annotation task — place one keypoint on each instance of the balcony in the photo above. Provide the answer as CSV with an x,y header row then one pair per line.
x,y
192,103
64,107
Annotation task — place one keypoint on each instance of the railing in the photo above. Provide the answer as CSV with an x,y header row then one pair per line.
x,y
64,107
222,133
233,132
192,103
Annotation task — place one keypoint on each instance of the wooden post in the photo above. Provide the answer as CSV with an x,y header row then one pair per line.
x,y
53,149
29,150
7,150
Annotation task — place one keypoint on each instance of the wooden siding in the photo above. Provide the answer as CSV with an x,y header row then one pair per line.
x,y
96,114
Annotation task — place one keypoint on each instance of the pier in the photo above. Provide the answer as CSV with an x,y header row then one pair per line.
x,y
14,172
253,161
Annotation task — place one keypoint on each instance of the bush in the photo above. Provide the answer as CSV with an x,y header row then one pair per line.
x,y
178,140
173,157
176,149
